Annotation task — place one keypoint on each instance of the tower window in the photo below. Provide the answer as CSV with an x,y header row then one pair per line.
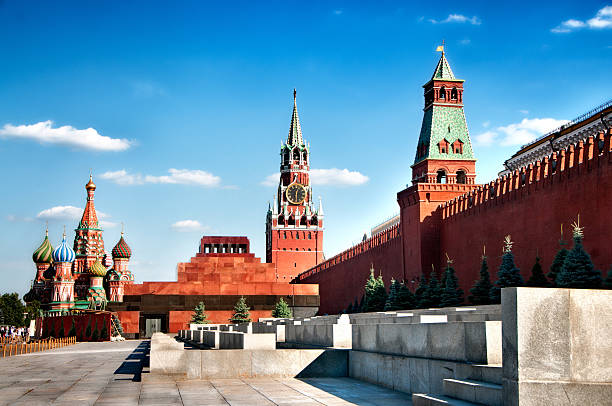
x,y
461,177
442,93
309,235
295,264
454,94
441,178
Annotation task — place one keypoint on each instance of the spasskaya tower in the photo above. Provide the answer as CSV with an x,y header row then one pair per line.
x,y
294,229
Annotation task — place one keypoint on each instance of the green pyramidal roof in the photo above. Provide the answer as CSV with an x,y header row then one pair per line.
x,y
444,123
443,70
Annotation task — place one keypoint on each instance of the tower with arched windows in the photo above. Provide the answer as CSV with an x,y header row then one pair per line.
x,y
444,151
294,226
444,168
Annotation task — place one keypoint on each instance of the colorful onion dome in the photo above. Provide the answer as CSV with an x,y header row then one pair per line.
x,y
63,252
42,255
122,250
97,269
90,185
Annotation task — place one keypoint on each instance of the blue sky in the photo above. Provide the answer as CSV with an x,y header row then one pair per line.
x,y
179,108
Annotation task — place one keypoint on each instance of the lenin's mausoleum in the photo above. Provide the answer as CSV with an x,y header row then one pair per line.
x,y
443,212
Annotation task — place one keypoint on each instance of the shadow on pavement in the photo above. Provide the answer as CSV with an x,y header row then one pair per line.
x,y
135,362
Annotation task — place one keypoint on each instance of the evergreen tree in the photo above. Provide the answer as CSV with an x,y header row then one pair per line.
x,y
12,309
282,310
578,270
118,327
557,263
451,295
608,281
393,297
349,309
482,287
420,294
199,314
361,304
241,312
508,274
537,278
375,294
88,329
355,307
406,299
72,331
433,293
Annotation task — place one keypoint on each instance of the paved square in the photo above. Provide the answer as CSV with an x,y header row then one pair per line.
x,y
111,373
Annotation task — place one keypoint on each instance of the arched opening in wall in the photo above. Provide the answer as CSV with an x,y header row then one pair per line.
x,y
305,156
303,221
286,157
315,220
427,196
441,178
281,219
461,177
291,221
442,93
309,235
296,154
454,94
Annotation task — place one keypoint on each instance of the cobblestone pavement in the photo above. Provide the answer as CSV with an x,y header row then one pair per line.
x,y
116,373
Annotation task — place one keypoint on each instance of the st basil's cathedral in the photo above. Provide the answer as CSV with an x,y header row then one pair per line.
x,y
81,276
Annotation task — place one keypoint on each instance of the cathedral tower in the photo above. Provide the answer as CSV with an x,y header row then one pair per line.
x,y
63,280
88,243
294,228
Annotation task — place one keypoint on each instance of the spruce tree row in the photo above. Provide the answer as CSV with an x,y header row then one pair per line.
x,y
570,269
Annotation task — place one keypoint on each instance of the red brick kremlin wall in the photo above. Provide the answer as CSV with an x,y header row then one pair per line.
x,y
341,278
531,211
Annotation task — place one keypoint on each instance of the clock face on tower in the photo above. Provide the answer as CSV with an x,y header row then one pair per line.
x,y
296,193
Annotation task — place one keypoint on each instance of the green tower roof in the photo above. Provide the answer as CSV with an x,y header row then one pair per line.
x,y
443,122
443,70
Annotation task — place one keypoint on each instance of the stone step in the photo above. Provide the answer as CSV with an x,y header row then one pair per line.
x,y
473,391
480,372
423,399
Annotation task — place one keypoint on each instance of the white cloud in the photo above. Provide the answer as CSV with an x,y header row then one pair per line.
x,y
177,176
465,41
13,219
519,133
271,180
602,20
528,130
524,112
61,213
145,89
338,177
188,226
457,18
122,177
486,124
487,138
321,177
44,133
73,213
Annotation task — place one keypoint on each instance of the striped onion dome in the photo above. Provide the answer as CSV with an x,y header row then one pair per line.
x,y
42,255
97,269
63,252
122,250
